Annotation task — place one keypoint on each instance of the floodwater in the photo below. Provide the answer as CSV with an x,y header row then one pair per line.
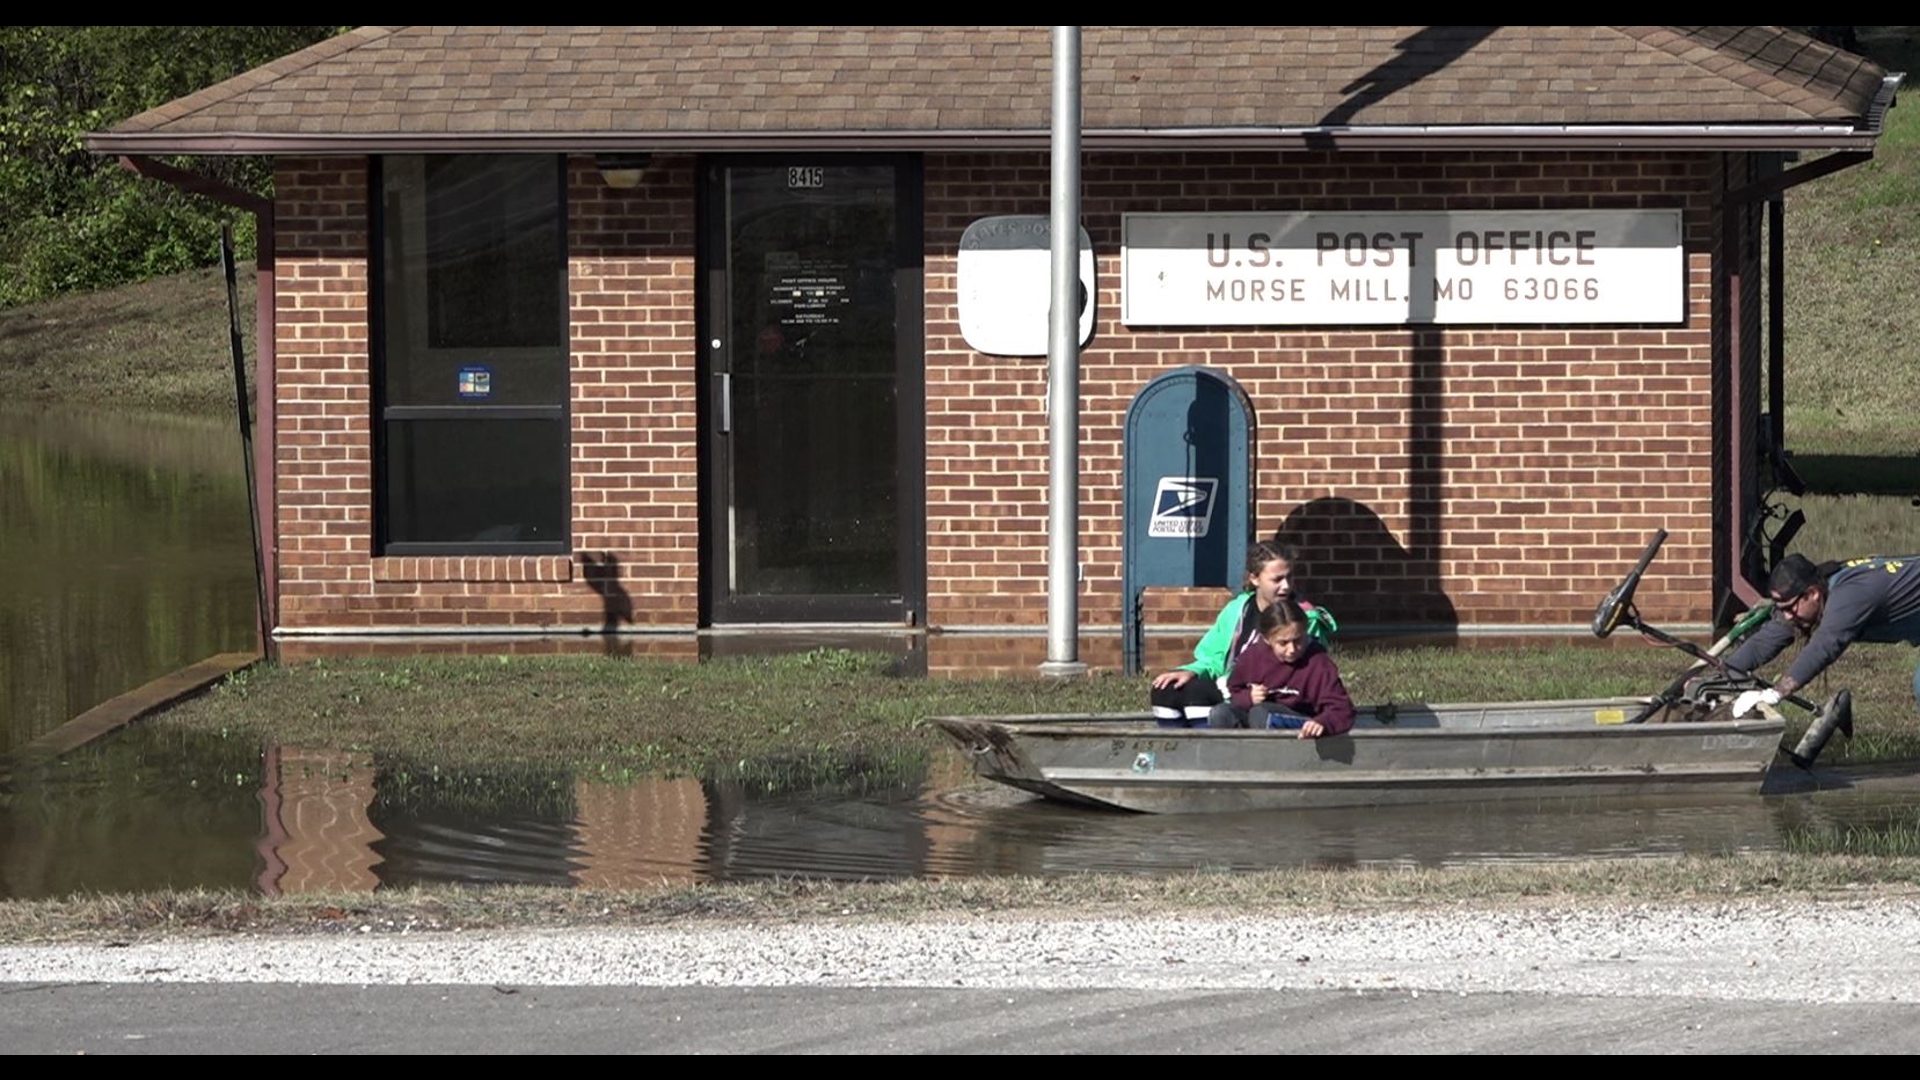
x,y
150,811
127,556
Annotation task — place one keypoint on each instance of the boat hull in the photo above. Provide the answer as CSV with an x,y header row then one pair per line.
x,y
1394,755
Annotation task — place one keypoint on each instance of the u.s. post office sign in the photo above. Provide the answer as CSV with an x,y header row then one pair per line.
x,y
1513,266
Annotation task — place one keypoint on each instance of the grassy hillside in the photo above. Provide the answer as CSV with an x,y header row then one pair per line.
x,y
1853,297
158,346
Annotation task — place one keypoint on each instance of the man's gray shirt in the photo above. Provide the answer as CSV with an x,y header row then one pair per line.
x,y
1865,598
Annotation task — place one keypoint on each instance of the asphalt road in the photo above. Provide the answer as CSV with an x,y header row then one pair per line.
x,y
304,1019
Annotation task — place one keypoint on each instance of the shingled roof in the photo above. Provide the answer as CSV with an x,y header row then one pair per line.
x,y
583,88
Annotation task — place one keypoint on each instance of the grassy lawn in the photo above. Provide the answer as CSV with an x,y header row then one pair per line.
x,y
815,717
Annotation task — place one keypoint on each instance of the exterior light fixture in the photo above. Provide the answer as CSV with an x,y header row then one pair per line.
x,y
622,170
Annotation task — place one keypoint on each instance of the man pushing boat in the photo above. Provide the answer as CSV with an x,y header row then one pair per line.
x,y
1831,606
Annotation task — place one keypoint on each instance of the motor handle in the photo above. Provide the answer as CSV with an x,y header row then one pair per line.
x,y
1606,617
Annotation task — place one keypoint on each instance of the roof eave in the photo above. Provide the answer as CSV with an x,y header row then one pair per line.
x,y
1516,137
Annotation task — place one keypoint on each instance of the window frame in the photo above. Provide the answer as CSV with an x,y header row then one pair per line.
x,y
383,413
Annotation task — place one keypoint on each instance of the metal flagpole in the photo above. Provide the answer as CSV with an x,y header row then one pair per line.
x,y
1063,368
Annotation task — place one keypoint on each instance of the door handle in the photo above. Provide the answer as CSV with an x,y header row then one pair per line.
x,y
726,401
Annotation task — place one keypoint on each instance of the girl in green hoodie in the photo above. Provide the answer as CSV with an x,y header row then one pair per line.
x,y
1187,695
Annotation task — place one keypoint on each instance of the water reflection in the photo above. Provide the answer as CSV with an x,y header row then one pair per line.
x,y
148,811
132,814
128,556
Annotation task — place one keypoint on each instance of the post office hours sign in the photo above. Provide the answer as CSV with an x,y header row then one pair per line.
x,y
1005,284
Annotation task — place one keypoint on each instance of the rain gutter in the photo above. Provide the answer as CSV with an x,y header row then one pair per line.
x,y
1716,137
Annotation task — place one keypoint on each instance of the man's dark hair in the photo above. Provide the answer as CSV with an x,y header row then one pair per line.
x,y
1795,575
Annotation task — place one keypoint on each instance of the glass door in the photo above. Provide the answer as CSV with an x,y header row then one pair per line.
x,y
814,475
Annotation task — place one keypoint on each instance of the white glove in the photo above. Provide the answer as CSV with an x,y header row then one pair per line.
x,y
1745,703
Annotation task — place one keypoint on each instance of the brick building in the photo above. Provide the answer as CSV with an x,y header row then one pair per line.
x,y
660,328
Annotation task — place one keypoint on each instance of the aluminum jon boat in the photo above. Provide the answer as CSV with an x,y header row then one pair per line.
x,y
1394,754
1684,737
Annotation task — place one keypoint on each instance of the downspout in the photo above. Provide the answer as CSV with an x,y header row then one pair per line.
x,y
264,363
266,451
1734,251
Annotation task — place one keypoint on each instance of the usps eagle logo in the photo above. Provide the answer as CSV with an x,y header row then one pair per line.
x,y
1183,506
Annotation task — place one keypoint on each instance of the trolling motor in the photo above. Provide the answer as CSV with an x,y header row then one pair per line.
x,y
1618,604
1617,609
1838,713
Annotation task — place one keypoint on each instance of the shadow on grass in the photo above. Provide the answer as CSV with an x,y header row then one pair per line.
x,y
1859,474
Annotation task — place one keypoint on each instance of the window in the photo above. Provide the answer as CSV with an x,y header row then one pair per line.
x,y
470,381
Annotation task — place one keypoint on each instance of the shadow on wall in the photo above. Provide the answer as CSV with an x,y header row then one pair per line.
x,y
603,577
1359,570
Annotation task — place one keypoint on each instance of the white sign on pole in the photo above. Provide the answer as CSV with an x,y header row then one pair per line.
x,y
1512,266
1006,269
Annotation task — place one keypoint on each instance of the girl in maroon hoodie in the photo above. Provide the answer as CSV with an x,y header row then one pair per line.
x,y
1288,681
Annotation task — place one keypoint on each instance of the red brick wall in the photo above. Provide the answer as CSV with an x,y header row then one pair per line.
x,y
634,345
1484,476
1476,475
634,494
323,463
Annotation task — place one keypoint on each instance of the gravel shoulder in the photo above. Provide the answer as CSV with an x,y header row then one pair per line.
x,y
1784,950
